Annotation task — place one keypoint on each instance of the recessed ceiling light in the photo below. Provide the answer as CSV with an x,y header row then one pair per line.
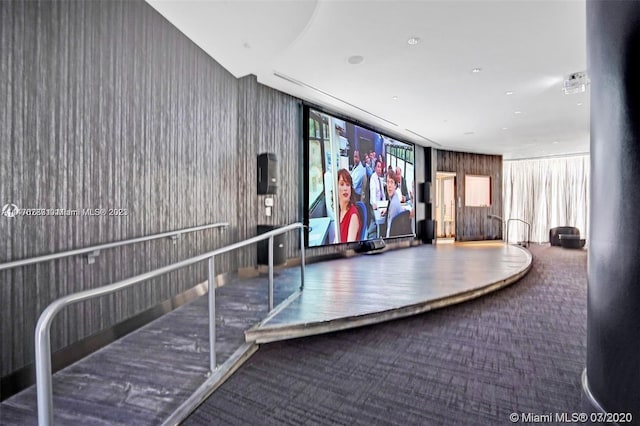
x,y
395,98
508,93
555,142
579,103
355,59
505,128
413,41
476,70
517,112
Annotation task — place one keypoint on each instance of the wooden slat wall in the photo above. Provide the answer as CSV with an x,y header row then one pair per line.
x,y
472,223
106,105
268,121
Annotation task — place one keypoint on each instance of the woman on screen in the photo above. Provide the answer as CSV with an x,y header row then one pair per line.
x,y
349,216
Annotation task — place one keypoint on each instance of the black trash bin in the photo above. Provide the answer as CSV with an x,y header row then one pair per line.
x,y
279,252
426,230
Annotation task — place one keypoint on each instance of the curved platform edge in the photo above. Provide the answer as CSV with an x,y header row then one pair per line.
x,y
260,333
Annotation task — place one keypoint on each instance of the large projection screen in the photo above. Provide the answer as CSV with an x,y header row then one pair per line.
x,y
359,183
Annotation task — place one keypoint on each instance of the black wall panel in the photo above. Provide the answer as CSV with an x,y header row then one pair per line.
x,y
613,297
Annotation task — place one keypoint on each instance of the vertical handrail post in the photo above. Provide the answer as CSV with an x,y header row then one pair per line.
x,y
44,385
271,273
212,314
303,230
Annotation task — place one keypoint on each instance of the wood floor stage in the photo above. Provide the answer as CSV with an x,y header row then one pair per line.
x,y
353,292
152,375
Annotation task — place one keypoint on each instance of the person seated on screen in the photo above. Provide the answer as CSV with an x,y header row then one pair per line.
x,y
368,167
372,157
389,169
402,187
376,187
394,208
350,225
357,174
381,160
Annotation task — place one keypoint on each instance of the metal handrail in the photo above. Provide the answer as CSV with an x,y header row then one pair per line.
x,y
95,250
528,230
44,382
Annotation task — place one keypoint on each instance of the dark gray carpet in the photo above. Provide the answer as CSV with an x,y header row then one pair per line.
x,y
521,350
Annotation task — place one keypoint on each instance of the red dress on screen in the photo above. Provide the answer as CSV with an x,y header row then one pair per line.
x,y
346,220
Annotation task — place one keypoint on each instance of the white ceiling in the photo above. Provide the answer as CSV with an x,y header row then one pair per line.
x,y
302,48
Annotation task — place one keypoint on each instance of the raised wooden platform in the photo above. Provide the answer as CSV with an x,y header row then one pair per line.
x,y
349,293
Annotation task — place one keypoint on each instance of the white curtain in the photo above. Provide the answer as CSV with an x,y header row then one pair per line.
x,y
546,193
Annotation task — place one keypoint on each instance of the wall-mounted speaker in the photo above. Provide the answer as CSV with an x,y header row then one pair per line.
x,y
267,173
424,192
